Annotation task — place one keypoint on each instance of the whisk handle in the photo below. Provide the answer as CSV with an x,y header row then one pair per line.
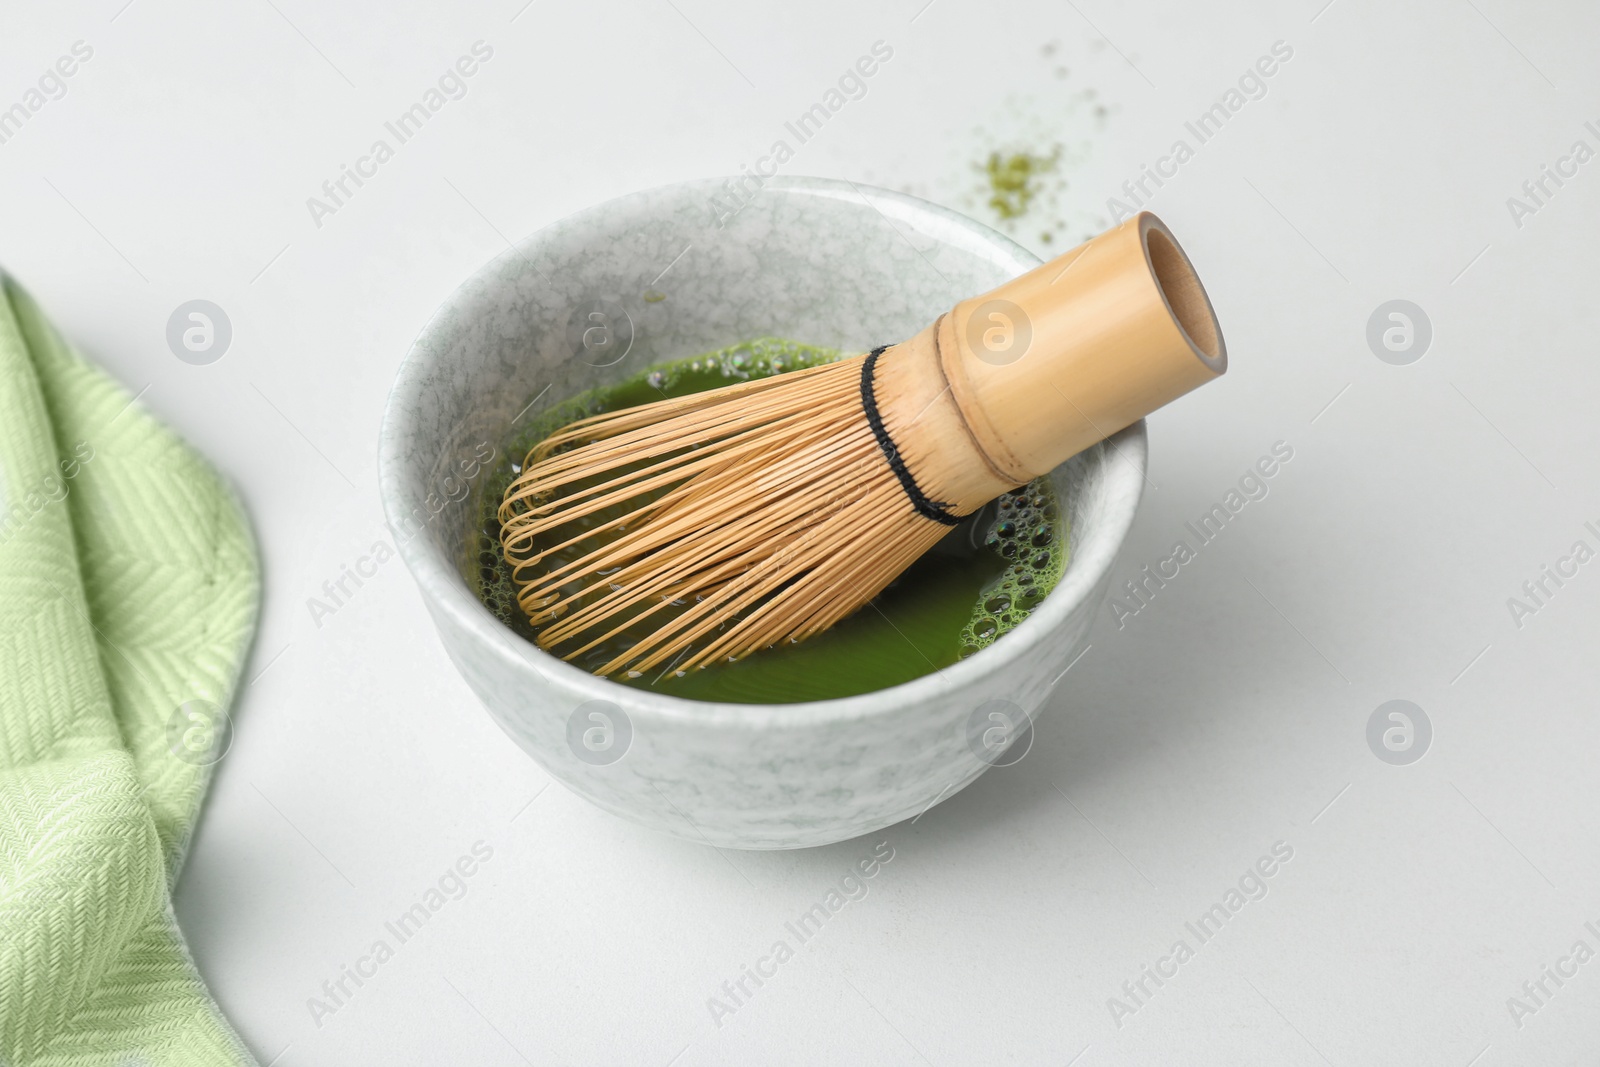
x,y
1080,347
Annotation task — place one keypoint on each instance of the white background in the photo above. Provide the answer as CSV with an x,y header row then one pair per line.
x,y
1226,716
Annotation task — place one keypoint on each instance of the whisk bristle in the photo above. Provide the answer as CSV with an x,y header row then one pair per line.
x,y
765,510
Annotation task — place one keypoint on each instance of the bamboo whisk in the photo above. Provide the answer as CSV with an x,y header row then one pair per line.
x,y
773,508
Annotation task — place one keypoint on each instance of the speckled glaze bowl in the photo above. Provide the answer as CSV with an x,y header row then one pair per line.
x,y
672,272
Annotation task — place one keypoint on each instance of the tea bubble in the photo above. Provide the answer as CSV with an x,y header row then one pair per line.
x,y
1024,534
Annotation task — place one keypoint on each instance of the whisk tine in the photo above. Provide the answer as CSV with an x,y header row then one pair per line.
x,y
622,551
722,499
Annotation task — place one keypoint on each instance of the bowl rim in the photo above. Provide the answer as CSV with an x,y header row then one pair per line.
x,y
1124,459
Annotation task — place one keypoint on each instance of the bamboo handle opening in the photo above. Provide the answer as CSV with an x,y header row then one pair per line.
x,y
1185,296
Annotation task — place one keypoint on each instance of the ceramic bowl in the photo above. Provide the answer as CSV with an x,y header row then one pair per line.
x,y
672,272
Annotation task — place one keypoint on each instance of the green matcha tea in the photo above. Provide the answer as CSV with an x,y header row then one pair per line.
x,y
975,585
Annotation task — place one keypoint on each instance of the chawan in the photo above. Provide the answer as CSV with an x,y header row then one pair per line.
x,y
590,301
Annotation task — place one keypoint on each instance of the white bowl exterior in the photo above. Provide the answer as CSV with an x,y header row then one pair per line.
x,y
823,262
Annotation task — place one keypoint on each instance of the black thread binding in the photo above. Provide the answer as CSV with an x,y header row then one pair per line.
x,y
936,510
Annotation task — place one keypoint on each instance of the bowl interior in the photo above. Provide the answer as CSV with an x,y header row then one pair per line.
x,y
668,273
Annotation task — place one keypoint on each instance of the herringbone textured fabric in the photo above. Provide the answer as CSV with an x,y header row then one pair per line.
x,y
128,589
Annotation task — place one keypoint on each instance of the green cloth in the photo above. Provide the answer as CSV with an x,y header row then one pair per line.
x,y
128,591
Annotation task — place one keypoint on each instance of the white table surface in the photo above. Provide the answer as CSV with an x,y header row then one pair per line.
x,y
1228,715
